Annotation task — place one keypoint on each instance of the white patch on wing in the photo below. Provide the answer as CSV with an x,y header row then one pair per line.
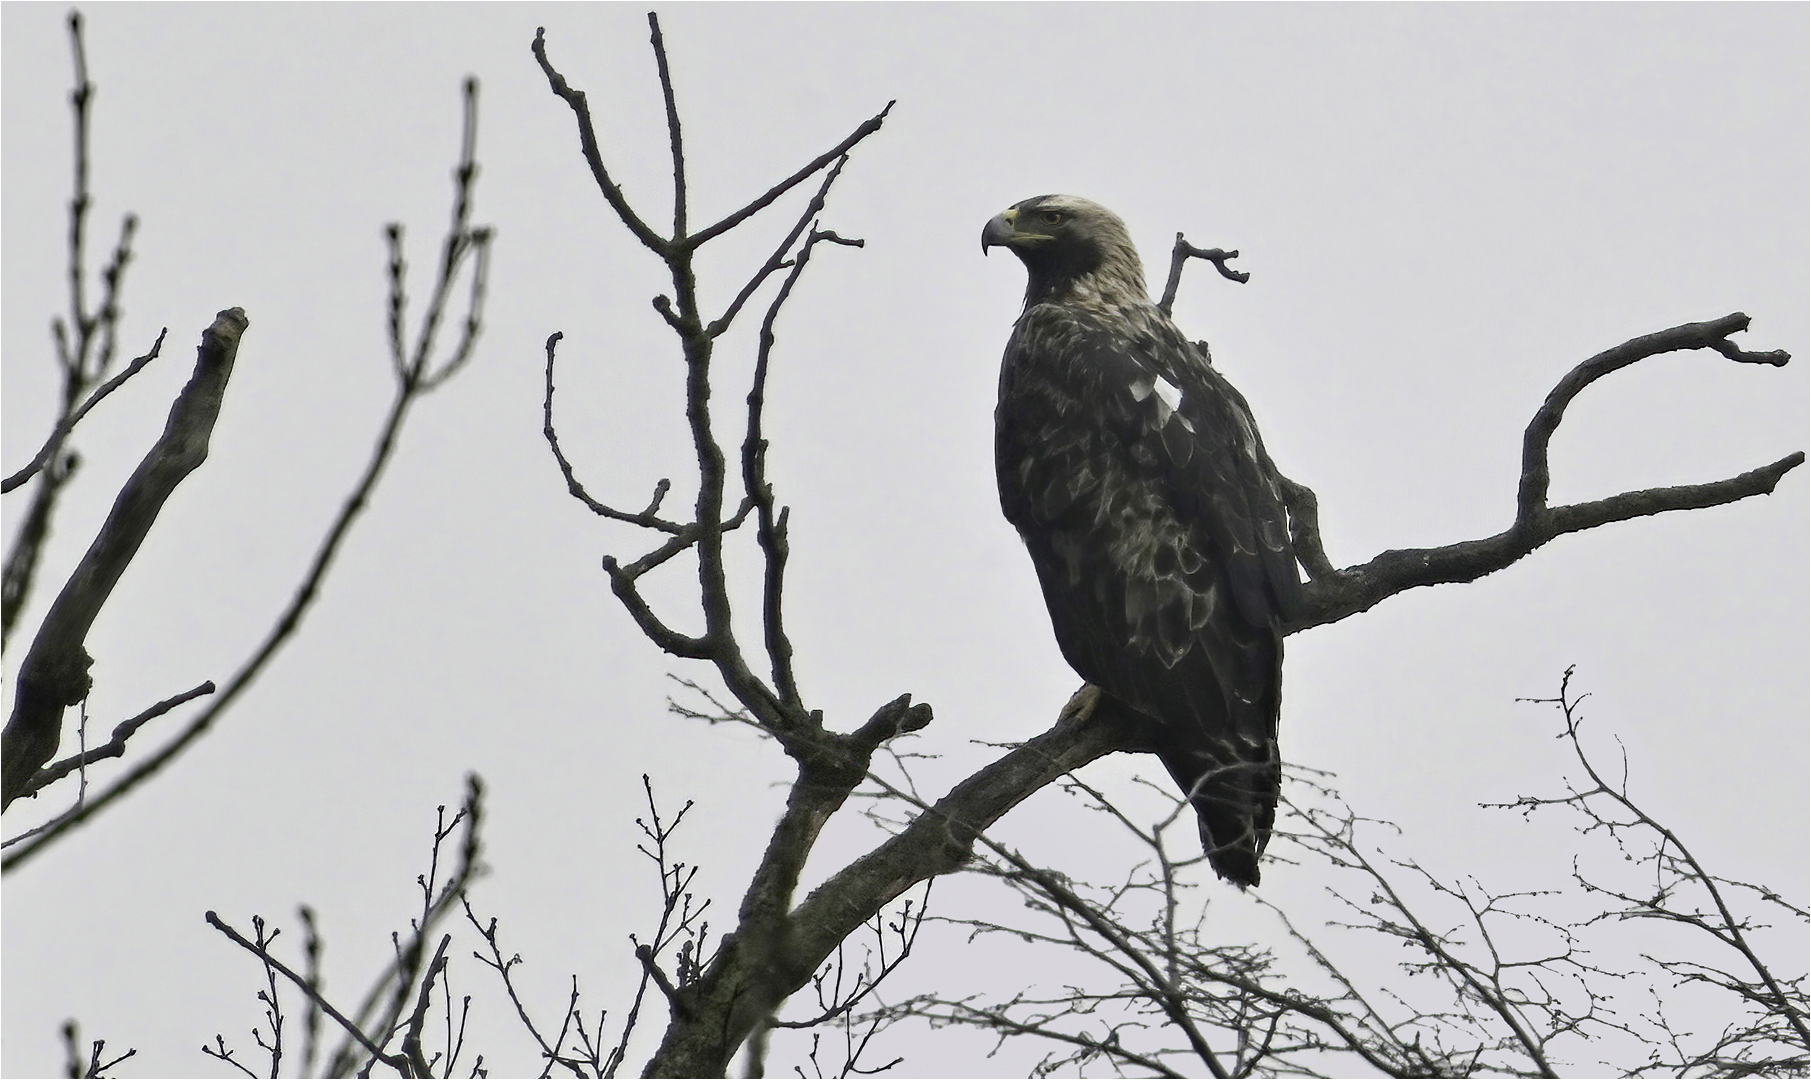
x,y
1169,398
1168,392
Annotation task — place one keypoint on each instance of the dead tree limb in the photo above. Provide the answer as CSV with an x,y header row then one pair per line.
x,y
1181,253
54,674
1336,595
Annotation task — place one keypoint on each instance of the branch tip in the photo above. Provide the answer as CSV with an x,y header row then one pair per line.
x,y
1184,251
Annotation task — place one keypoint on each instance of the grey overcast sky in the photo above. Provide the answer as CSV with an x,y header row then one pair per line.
x,y
1443,208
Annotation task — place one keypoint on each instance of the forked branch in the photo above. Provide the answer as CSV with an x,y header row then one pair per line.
x,y
1336,595
1181,253
115,746
581,110
778,707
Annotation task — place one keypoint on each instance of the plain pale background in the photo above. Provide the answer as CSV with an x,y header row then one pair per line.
x,y
1443,209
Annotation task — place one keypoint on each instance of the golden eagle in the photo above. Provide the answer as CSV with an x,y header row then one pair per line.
x,y
1135,475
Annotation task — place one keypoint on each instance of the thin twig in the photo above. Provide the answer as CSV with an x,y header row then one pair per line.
x,y
438,899
673,135
778,260
311,1020
83,360
411,1040
645,955
770,531
395,1061
1726,929
647,518
21,567
115,745
61,432
865,985
495,961
588,147
865,129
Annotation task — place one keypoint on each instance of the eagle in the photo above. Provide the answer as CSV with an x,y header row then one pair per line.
x,y
1134,473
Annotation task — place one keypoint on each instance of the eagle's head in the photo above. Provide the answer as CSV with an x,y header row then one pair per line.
x,y
1075,251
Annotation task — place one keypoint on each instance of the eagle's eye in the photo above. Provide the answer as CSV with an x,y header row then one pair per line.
x,y
1051,217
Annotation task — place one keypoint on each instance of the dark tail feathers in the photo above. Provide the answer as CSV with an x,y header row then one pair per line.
x,y
1235,799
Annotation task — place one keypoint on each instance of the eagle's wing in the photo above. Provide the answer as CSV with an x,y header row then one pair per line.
x,y
1163,552
1234,491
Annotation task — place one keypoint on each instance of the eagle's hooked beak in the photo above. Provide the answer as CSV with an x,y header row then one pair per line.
x,y
999,231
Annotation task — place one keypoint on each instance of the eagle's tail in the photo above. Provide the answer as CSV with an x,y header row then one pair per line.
x,y
1234,792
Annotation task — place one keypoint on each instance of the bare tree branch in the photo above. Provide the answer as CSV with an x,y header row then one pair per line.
x,y
462,239
756,971
647,518
673,136
1531,496
22,559
395,1061
115,745
1519,981
369,1030
93,1066
839,1003
1676,866
54,673
867,128
552,1054
778,260
311,1020
1331,596
717,641
593,156
770,531
411,1040
55,442
415,376
1181,253
390,991
84,360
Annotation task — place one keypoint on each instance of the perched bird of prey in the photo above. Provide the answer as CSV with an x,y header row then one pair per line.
x,y
1135,475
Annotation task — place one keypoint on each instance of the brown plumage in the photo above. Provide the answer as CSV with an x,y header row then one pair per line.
x,y
1135,475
